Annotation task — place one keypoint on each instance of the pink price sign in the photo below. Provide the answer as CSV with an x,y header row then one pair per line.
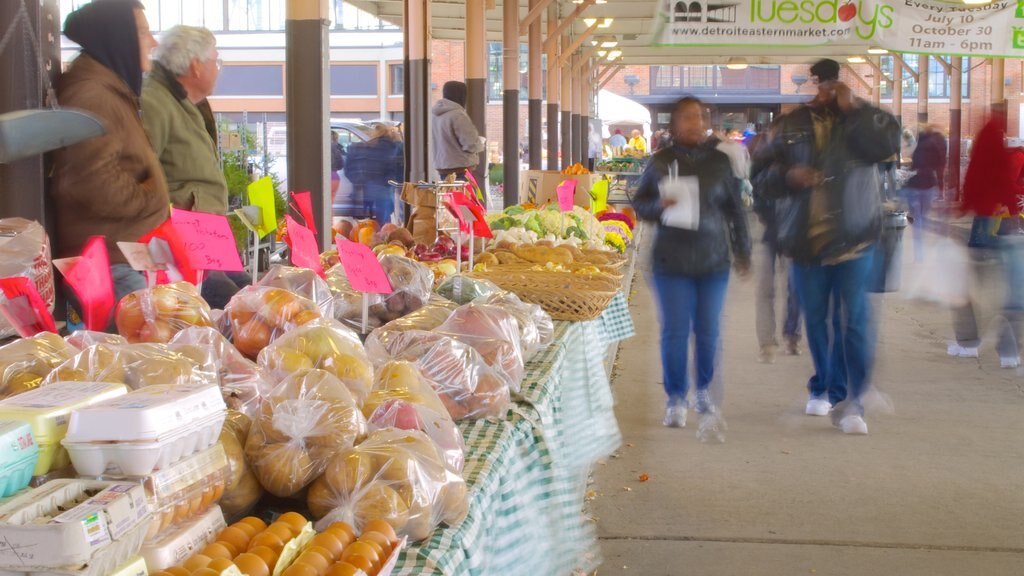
x,y
304,206
566,192
208,240
364,271
89,277
24,307
305,253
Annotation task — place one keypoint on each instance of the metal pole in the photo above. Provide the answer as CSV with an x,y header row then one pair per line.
x,y
554,87
510,69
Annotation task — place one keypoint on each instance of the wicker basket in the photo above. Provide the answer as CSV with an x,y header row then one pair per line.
x,y
563,295
612,271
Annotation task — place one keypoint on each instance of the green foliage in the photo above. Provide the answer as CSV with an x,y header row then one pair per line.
x,y
496,174
236,173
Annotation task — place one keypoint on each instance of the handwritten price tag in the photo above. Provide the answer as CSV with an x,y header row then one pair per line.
x,y
208,240
566,192
89,277
261,195
304,206
364,271
169,250
305,253
24,308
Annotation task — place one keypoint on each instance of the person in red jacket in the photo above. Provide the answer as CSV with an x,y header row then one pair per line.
x,y
992,187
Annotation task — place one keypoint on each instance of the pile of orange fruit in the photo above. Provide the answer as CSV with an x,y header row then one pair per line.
x,y
255,548
575,170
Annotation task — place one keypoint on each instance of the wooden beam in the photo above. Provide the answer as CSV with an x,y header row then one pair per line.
x,y
616,70
878,70
532,14
577,43
945,65
906,68
566,22
862,81
586,56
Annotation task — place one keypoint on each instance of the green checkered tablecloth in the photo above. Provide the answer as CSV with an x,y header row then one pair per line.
x,y
527,473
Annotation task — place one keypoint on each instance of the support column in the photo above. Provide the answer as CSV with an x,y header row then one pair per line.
x,y
999,87
585,113
476,75
510,116
307,82
567,106
955,104
416,32
897,89
876,89
554,87
23,183
922,91
576,108
536,91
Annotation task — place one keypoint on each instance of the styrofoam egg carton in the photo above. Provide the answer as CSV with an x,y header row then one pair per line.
x,y
116,559
145,430
18,456
188,539
66,523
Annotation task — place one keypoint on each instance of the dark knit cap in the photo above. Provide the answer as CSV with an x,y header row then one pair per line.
x,y
825,69
455,91
106,31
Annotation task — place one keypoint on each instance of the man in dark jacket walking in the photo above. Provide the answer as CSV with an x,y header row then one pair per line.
x,y
929,166
828,218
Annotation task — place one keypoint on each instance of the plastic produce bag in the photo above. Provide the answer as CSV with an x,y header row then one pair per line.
x,y
403,398
437,310
25,251
326,345
241,381
303,423
463,290
302,282
395,475
494,333
156,314
537,330
243,490
25,363
82,339
256,315
410,280
134,365
467,386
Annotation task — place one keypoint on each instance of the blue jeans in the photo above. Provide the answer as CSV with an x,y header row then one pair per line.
x,y
381,199
689,305
840,288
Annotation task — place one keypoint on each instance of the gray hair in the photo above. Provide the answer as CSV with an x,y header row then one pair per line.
x,y
180,45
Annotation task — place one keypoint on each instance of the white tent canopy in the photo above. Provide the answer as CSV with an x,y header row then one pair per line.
x,y
619,111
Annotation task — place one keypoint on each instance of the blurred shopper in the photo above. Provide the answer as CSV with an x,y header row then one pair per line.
x,y
111,185
183,133
372,165
337,163
992,188
618,140
457,144
770,259
825,170
638,142
691,253
929,166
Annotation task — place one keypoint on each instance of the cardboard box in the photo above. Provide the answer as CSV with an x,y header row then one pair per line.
x,y
538,186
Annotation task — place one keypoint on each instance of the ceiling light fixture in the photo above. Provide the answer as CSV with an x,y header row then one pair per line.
x,y
877,50
604,24
614,55
856,60
736,64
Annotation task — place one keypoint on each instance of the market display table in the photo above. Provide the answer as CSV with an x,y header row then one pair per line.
x,y
527,473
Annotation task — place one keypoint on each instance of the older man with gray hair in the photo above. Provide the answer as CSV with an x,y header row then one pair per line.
x,y
178,119
180,125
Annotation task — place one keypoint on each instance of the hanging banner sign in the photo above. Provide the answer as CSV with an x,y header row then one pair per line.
x,y
915,26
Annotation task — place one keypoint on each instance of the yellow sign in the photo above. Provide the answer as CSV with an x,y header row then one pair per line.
x,y
599,196
261,195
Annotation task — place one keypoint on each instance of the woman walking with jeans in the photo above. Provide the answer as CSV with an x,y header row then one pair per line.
x,y
690,192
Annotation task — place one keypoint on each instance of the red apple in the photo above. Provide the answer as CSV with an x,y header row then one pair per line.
x,y
847,11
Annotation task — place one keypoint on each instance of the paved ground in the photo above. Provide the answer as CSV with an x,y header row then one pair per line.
x,y
936,488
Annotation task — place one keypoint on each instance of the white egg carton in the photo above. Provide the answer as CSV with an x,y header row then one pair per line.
x,y
113,560
179,545
68,525
145,430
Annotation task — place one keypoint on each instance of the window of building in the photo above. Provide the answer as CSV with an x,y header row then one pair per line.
x,y
396,87
345,16
264,80
938,80
495,75
763,79
354,80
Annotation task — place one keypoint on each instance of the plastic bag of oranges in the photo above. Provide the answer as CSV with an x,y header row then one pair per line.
x,y
323,344
307,419
256,315
398,476
303,282
241,381
156,314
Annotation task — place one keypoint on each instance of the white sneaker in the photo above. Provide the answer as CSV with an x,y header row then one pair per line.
x,y
1009,362
817,407
958,351
853,424
675,416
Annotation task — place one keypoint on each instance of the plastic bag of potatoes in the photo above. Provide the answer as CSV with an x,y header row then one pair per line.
x,y
156,314
411,282
243,489
467,386
494,333
25,363
134,365
256,315
323,344
536,329
403,398
307,419
398,476
241,381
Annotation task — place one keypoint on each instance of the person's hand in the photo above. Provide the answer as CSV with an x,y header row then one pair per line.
x,y
742,266
802,176
844,97
666,202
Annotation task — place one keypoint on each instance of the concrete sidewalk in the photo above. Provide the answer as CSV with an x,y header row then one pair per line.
x,y
936,488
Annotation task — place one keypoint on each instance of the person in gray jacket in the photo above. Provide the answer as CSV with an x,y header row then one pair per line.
x,y
457,144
